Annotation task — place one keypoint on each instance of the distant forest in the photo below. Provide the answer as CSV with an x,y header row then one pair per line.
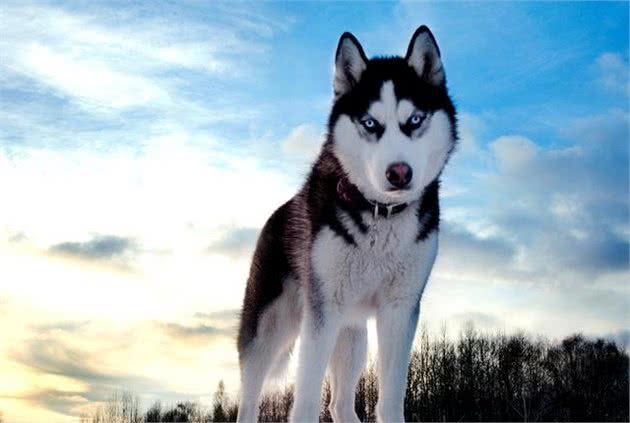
x,y
477,377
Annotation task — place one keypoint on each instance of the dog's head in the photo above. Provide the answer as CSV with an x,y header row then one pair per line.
x,y
392,125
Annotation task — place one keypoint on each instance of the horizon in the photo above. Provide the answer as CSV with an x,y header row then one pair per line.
x,y
143,147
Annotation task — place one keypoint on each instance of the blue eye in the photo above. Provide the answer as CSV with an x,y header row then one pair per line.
x,y
369,124
416,120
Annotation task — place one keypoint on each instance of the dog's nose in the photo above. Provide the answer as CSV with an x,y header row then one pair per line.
x,y
399,174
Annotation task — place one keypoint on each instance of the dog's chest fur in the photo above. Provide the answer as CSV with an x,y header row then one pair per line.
x,y
385,263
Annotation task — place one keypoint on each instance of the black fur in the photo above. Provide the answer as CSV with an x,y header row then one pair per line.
x,y
423,29
345,66
429,211
270,266
407,85
285,243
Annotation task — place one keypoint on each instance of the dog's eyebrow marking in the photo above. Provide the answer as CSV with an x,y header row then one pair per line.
x,y
405,109
384,109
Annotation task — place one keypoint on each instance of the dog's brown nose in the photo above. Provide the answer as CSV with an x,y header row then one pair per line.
x,y
399,174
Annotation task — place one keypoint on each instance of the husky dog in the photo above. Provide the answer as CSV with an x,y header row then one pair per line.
x,y
358,240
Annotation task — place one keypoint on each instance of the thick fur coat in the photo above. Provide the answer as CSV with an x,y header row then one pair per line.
x,y
357,241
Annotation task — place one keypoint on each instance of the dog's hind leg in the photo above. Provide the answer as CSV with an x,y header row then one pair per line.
x,y
346,365
255,363
277,329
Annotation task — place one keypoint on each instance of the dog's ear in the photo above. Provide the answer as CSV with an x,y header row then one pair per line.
x,y
350,62
423,54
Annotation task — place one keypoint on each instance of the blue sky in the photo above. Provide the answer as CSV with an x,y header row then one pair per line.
x,y
143,145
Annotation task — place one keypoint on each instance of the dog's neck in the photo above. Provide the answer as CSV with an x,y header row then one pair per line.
x,y
352,198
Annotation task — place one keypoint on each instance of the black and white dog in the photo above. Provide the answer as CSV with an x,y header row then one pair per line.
x,y
359,239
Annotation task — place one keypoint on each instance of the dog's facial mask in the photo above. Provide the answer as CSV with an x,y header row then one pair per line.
x,y
392,123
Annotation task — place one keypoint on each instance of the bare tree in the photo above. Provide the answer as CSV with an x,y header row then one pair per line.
x,y
119,408
218,408
478,377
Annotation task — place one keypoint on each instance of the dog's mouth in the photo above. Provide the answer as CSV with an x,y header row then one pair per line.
x,y
400,191
406,194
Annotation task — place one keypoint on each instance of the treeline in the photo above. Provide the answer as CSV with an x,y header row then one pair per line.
x,y
478,377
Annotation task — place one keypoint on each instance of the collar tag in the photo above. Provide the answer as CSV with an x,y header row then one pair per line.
x,y
389,210
375,210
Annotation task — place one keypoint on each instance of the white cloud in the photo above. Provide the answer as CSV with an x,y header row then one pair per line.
x,y
127,193
106,59
175,196
513,152
470,127
91,82
613,72
562,209
304,142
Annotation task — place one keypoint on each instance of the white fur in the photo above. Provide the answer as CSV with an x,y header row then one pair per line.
x,y
384,275
404,110
346,365
277,330
385,278
366,162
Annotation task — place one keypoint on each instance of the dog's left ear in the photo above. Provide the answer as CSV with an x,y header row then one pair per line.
x,y
423,54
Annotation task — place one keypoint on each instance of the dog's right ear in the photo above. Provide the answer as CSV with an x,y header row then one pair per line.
x,y
350,62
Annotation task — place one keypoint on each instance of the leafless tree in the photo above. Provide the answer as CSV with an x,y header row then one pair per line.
x,y
121,407
477,377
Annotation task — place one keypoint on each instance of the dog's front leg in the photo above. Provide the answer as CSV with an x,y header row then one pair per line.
x,y
396,326
317,340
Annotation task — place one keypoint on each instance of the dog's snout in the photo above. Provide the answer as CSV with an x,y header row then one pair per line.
x,y
399,174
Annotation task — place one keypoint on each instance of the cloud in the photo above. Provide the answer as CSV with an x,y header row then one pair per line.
x,y
50,357
221,315
621,337
561,209
226,321
87,80
99,248
17,237
64,326
64,402
235,243
513,152
303,142
86,365
463,253
479,320
587,189
194,333
53,357
470,128
613,72
105,61
205,327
